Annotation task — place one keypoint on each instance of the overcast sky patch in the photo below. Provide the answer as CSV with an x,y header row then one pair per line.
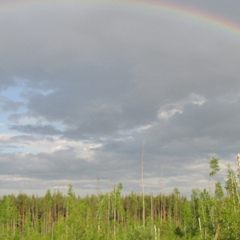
x,y
84,85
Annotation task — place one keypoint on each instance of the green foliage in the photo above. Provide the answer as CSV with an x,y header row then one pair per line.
x,y
214,166
140,233
111,216
219,194
178,232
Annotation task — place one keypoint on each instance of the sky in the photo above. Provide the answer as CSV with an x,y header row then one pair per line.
x,y
90,88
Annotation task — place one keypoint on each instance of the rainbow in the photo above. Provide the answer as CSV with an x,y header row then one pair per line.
x,y
156,5
185,11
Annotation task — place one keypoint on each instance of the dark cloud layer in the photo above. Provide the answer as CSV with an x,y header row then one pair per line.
x,y
84,85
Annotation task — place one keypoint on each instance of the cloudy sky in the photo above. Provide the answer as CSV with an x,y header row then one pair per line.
x,y
83,84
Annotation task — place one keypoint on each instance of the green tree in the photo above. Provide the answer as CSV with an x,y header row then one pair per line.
x,y
214,166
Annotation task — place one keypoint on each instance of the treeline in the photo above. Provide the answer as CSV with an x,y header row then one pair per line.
x,y
112,216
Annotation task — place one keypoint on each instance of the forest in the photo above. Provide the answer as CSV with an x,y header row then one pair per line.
x,y
114,216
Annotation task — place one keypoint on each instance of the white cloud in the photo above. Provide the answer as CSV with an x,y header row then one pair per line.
x,y
169,113
170,109
24,144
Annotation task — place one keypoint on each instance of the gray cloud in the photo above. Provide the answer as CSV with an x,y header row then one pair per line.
x,y
33,129
96,80
8,105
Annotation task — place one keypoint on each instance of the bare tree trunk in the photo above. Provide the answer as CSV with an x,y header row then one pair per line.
x,y
152,218
200,225
143,194
217,232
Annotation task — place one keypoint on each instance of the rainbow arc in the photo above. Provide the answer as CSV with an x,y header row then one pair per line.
x,y
172,9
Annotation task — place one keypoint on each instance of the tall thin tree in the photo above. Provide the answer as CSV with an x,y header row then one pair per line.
x,y
143,190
